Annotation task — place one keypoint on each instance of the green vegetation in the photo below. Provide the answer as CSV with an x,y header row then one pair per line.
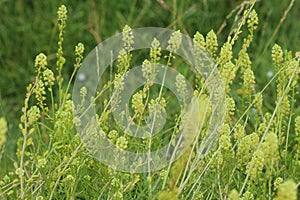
x,y
258,152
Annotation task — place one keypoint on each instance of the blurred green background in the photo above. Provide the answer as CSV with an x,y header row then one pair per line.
x,y
28,27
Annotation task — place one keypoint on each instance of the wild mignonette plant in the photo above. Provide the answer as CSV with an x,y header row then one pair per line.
x,y
3,130
257,155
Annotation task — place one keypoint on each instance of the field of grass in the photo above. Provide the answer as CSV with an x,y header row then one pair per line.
x,y
30,27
